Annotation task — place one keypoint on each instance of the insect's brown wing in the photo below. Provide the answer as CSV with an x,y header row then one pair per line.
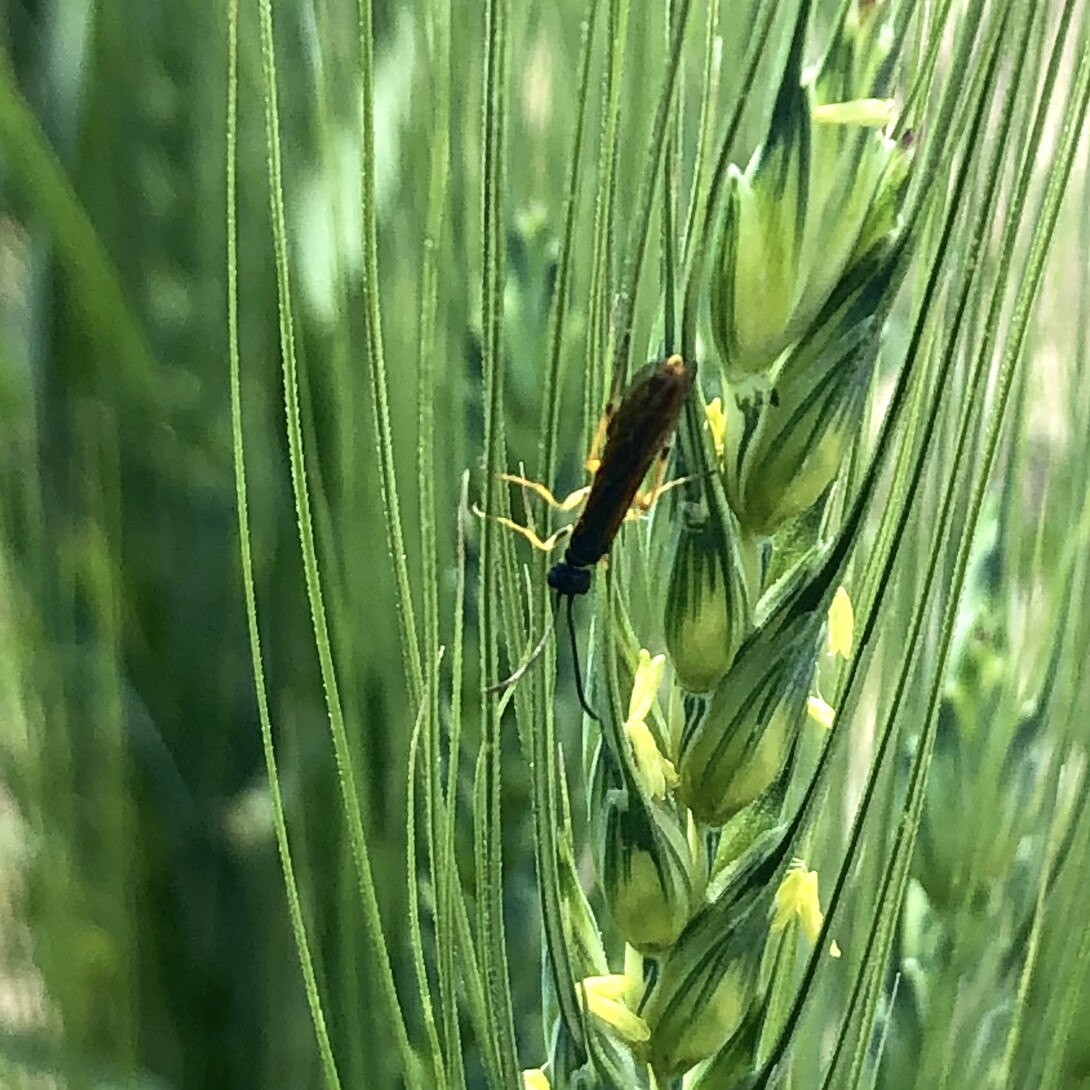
x,y
614,488
638,430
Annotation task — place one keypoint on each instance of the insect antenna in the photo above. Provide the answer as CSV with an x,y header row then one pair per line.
x,y
575,660
507,682
534,655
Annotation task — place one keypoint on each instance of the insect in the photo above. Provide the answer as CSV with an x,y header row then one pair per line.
x,y
637,428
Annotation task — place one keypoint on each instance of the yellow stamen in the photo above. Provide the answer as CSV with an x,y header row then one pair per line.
x,y
717,424
657,774
841,624
603,996
533,1078
646,684
820,712
608,986
798,896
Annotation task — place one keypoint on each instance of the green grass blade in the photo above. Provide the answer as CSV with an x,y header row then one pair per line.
x,y
416,937
640,229
380,395
295,911
490,779
346,777
451,906
440,862
550,398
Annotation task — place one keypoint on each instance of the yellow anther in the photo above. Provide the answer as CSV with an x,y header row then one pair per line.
x,y
841,624
798,897
604,998
821,712
717,424
533,1078
646,684
655,771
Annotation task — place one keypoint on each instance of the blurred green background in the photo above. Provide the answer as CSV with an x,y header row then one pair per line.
x,y
144,940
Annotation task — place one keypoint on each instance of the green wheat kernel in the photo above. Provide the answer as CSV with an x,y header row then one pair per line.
x,y
731,755
706,613
785,442
706,984
805,207
648,872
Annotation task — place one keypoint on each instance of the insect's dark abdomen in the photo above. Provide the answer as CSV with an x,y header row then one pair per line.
x,y
605,510
638,431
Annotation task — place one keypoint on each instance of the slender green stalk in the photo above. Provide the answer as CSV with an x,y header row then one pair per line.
x,y
597,387
490,777
349,794
668,225
380,393
440,862
550,398
536,719
416,937
295,910
645,197
452,908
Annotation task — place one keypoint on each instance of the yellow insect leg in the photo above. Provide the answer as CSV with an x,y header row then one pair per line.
x,y
568,503
593,461
644,500
546,546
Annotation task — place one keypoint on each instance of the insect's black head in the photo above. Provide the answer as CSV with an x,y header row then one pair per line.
x,y
569,581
